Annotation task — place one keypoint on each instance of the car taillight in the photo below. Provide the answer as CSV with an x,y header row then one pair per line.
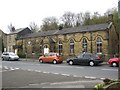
x,y
99,58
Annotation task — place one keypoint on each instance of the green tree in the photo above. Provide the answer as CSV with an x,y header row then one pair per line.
x,y
49,23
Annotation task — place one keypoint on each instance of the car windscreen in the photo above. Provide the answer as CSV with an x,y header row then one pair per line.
x,y
12,54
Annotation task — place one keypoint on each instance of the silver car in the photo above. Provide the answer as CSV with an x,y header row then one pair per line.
x,y
9,56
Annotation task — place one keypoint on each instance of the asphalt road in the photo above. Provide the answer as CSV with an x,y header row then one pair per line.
x,y
29,74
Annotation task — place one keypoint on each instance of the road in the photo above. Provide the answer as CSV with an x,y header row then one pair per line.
x,y
34,74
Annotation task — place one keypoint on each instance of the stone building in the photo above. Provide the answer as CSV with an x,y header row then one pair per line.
x,y
13,36
3,39
99,38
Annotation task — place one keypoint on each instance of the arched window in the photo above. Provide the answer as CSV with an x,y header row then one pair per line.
x,y
45,46
99,45
84,45
40,49
71,46
60,47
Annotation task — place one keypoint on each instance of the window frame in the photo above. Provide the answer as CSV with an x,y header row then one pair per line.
x,y
72,45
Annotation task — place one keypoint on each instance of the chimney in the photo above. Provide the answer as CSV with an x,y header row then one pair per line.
x,y
13,29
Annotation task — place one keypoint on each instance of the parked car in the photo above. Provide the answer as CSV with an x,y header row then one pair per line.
x,y
86,59
51,58
9,56
114,62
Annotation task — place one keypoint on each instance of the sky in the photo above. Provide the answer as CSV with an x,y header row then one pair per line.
x,y
21,12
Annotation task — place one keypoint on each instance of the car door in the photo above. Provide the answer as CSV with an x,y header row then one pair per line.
x,y
86,58
80,59
6,56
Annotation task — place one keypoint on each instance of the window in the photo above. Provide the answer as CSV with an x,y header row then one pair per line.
x,y
60,47
71,46
87,56
40,48
99,45
84,45
45,46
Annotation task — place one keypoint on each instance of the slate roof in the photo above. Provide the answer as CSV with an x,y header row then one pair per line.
x,y
18,30
88,28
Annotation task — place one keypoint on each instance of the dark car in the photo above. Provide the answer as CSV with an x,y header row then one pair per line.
x,y
86,59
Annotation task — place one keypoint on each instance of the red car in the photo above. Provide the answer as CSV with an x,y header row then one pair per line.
x,y
51,58
114,62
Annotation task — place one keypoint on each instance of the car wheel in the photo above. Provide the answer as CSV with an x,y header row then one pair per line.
x,y
2,59
41,61
114,64
9,59
54,62
71,62
91,63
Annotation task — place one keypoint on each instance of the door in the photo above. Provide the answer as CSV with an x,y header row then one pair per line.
x,y
86,58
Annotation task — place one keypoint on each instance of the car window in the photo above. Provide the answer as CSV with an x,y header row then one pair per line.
x,y
80,56
5,54
86,56
51,54
12,54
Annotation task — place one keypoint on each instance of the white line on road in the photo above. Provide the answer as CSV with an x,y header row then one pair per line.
x,y
6,67
66,66
37,71
65,74
90,77
11,68
56,73
109,69
46,72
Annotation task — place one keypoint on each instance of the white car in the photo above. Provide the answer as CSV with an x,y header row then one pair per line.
x,y
9,56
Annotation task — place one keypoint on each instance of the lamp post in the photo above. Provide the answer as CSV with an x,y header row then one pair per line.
x,y
119,36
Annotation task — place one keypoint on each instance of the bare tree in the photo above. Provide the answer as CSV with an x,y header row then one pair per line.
x,y
79,19
11,27
68,19
33,27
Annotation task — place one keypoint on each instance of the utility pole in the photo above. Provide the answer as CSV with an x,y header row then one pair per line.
x,y
119,36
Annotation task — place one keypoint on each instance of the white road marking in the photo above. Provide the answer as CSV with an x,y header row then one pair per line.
x,y
60,66
65,74
45,72
6,67
37,71
66,66
79,67
110,69
56,73
29,70
102,78
90,77
11,68
17,68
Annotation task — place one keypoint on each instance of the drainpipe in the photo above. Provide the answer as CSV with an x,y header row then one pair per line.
x,y
91,42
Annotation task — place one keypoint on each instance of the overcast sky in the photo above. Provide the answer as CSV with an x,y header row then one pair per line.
x,y
21,12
